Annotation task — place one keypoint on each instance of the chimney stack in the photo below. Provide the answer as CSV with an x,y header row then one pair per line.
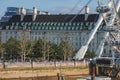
x,y
18,11
87,11
23,13
34,13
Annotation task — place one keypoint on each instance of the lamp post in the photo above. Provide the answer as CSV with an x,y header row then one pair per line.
x,y
31,61
3,60
55,60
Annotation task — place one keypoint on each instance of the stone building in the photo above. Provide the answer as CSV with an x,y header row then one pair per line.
x,y
75,27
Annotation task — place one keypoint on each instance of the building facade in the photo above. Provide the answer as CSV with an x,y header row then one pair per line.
x,y
54,28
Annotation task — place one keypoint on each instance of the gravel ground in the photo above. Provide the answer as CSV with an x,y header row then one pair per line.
x,y
16,70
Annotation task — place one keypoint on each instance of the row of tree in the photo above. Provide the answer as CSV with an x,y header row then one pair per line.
x,y
14,49
41,49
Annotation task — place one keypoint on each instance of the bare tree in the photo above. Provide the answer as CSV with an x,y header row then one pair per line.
x,y
2,51
26,45
66,46
48,51
46,46
44,50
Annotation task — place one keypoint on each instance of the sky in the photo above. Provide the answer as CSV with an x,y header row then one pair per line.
x,y
52,6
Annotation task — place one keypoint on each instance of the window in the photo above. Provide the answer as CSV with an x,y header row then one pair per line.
x,y
61,28
57,28
51,24
16,27
35,33
32,27
11,27
15,37
76,44
36,27
42,28
54,24
48,24
6,37
50,28
68,28
15,32
13,23
73,24
70,24
31,33
78,24
25,23
76,38
34,24
81,24
39,33
39,27
29,23
24,27
41,24
46,28
6,32
22,23
72,28
64,27
44,24
66,24
35,37
87,24
104,50
53,28
62,24
7,27
76,28
10,32
32,37
17,23
58,24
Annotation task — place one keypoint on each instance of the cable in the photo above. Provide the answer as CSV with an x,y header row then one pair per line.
x,y
117,16
1,8
75,6
80,10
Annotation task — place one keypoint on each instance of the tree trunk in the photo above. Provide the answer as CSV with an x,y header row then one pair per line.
x,y
64,57
44,56
22,58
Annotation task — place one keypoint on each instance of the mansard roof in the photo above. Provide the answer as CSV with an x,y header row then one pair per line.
x,y
52,22
56,18
15,18
66,18
27,18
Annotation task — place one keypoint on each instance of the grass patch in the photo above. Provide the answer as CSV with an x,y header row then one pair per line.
x,y
44,68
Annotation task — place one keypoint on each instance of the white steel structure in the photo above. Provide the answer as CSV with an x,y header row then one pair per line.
x,y
108,65
110,15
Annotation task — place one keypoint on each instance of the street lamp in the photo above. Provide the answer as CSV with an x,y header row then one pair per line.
x,y
3,60
55,59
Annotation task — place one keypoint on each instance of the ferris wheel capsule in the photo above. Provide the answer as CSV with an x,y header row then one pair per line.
x,y
103,9
116,42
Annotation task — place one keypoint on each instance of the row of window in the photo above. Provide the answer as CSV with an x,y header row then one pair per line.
x,y
53,26
52,23
43,33
50,27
